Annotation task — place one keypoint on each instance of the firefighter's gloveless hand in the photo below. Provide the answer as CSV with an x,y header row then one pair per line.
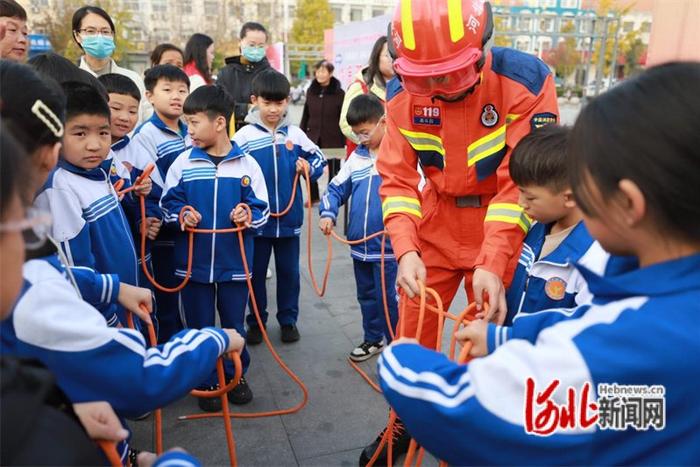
x,y
411,270
485,281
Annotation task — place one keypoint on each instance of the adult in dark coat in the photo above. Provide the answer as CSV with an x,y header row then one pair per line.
x,y
324,102
238,74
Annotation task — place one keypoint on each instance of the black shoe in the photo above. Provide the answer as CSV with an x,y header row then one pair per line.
x,y
400,445
290,333
210,404
254,336
241,393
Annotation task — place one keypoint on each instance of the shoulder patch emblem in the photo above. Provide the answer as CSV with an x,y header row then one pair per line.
x,y
245,181
289,144
489,116
542,119
555,288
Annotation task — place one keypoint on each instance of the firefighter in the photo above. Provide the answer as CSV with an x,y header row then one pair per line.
x,y
456,109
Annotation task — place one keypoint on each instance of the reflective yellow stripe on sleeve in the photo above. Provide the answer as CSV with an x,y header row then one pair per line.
x,y
509,213
424,142
486,146
401,204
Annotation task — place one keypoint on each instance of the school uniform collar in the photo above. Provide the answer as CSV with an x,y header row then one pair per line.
x,y
97,173
160,124
362,151
198,154
121,144
253,118
572,248
669,277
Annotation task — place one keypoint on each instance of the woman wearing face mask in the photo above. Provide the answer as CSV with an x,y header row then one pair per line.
x,y
238,74
199,55
94,32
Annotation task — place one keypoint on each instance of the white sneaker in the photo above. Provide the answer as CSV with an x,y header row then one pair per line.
x,y
366,350
268,274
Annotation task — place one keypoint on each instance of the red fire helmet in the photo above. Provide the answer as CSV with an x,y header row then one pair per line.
x,y
439,44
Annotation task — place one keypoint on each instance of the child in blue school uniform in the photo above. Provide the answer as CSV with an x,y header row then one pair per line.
x,y
634,170
89,222
214,177
282,150
124,99
546,277
159,141
358,177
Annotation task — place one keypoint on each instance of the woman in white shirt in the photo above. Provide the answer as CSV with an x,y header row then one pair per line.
x,y
94,31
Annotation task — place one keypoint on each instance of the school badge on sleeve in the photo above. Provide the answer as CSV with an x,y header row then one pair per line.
x,y
555,288
245,181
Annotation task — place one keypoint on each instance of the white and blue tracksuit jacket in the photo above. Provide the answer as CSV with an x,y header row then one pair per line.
x,y
642,328
277,155
94,362
88,221
214,191
154,142
99,290
359,177
553,281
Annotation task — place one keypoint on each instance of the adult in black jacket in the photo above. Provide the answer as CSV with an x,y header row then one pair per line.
x,y
324,102
238,74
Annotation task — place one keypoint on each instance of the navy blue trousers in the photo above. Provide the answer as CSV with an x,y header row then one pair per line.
x,y
368,279
163,263
286,250
198,303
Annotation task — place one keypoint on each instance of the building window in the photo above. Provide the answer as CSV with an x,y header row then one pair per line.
x,y
627,26
337,14
376,12
646,26
211,8
548,3
547,24
525,23
356,14
186,7
569,4
159,6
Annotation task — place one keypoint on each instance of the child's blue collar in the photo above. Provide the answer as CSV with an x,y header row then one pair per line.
x,y
362,150
97,173
156,120
198,154
669,277
121,144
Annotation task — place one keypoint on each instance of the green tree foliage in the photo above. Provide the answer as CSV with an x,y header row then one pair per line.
x,y
57,26
610,9
564,57
313,17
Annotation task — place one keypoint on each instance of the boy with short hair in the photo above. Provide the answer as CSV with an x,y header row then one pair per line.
x,y
124,99
160,140
88,220
214,177
15,43
282,150
546,277
358,177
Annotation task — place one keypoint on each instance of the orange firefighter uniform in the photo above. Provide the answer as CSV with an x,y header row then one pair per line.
x,y
467,215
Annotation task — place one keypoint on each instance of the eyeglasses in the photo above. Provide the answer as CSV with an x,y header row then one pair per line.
x,y
35,228
94,32
365,136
